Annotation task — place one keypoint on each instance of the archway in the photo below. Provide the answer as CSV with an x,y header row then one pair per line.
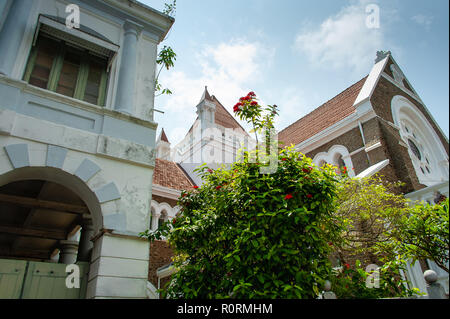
x,y
425,149
46,223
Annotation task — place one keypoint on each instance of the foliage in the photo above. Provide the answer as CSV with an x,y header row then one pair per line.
x,y
364,207
381,228
357,282
244,234
170,8
249,109
247,235
422,233
166,56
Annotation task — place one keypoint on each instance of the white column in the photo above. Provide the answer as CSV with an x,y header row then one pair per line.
x,y
127,72
68,251
155,219
11,34
86,245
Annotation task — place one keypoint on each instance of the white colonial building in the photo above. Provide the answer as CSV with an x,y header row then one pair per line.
x,y
77,145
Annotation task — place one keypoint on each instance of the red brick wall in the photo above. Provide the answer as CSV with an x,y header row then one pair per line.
x,y
160,255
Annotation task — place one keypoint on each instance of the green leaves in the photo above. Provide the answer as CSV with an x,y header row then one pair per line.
x,y
243,242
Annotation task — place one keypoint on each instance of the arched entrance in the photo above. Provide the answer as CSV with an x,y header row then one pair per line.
x,y
47,219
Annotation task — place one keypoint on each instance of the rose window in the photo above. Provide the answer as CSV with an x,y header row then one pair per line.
x,y
418,150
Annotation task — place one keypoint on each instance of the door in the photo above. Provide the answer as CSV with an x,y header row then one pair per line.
x,y
39,280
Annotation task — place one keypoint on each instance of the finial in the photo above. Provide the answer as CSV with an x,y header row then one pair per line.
x,y
381,55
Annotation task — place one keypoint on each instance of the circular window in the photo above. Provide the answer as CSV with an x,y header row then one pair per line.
x,y
414,149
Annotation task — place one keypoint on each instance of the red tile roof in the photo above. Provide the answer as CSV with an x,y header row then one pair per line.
x,y
223,117
164,136
170,174
322,117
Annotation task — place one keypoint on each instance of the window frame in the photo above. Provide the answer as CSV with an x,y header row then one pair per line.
x,y
83,72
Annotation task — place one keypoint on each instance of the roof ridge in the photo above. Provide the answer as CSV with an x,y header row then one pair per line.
x,y
220,104
324,104
185,173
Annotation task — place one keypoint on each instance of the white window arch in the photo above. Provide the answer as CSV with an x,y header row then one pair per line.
x,y
161,212
428,155
337,155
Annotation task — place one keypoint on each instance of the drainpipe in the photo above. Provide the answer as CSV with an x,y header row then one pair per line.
x,y
364,140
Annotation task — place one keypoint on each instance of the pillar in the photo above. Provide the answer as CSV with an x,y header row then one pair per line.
x,y
68,251
86,245
12,33
127,71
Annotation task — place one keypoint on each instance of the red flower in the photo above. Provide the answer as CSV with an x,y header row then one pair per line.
x,y
174,221
305,170
284,159
309,196
254,103
218,187
195,187
288,196
347,266
330,244
251,94
210,171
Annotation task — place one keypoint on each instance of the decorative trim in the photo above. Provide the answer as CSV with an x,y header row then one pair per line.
x,y
371,82
107,193
87,170
165,192
404,89
25,87
372,147
373,169
18,155
56,156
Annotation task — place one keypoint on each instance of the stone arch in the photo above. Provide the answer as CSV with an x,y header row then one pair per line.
x,y
18,165
428,155
332,157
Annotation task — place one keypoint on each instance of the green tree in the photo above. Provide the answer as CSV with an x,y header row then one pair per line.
x,y
380,227
244,234
422,233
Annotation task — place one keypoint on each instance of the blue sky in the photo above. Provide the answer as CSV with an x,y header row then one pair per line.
x,y
298,54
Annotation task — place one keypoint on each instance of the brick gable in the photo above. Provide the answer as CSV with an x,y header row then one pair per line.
x,y
322,117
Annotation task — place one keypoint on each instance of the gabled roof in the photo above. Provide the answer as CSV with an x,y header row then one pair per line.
x,y
163,136
322,117
170,174
222,116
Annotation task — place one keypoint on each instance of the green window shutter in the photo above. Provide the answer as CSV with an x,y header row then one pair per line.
x,y
103,85
68,70
30,64
82,77
56,69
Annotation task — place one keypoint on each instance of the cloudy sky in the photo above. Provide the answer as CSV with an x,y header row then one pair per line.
x,y
298,54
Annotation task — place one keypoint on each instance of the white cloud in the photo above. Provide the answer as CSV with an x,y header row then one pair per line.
x,y
342,40
423,20
229,70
